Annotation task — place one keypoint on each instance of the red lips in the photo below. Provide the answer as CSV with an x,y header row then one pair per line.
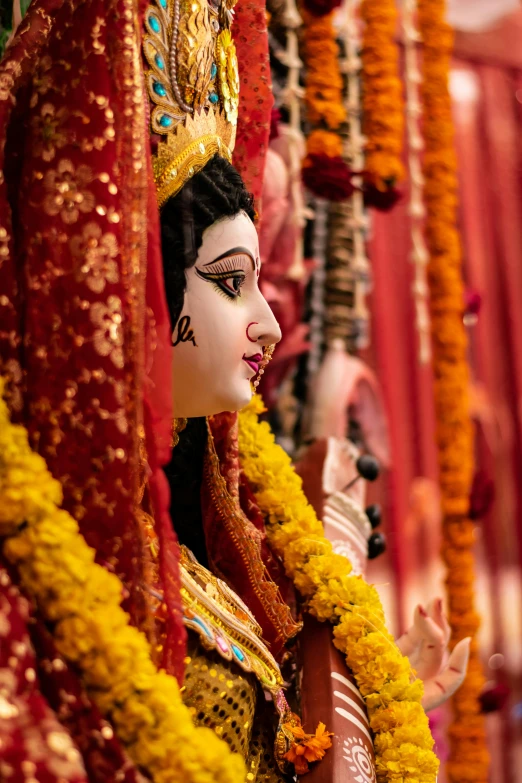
x,y
253,361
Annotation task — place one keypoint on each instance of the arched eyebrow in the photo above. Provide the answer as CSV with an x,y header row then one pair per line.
x,y
236,251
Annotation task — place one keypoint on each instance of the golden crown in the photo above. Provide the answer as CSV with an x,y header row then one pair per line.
x,y
193,85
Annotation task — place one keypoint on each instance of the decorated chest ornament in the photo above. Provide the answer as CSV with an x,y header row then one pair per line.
x,y
225,624
193,85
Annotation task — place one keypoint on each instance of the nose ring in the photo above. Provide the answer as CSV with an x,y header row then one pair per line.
x,y
254,323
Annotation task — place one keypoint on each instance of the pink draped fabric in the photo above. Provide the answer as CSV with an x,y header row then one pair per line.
x,y
488,144
488,116
406,387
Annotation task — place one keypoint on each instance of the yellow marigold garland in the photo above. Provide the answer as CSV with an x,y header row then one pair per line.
x,y
82,602
382,105
402,739
469,757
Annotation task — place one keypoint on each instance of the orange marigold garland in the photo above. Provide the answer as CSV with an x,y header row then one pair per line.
x,y
383,110
324,171
307,748
468,757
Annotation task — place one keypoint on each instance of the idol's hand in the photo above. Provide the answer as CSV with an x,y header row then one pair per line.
x,y
426,646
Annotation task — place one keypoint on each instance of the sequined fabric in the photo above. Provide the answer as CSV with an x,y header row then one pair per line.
x,y
219,695
50,732
83,321
256,99
222,697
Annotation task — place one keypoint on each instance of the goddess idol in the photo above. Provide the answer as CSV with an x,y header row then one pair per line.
x,y
129,300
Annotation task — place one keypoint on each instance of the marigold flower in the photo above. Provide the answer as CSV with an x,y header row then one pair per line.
x,y
454,427
307,748
382,102
82,602
403,741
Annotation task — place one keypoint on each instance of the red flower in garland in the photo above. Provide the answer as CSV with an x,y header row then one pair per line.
x,y
482,495
327,177
321,7
383,200
494,698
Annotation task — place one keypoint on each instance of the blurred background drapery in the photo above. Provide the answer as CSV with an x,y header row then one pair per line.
x,y
486,87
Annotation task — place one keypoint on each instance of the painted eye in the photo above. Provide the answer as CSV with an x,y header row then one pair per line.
x,y
228,282
233,284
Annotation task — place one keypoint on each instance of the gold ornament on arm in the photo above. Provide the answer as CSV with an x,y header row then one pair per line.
x,y
193,85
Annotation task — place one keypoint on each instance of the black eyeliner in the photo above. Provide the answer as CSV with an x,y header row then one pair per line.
x,y
218,278
236,251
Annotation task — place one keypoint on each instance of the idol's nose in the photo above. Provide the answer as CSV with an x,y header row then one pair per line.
x,y
265,330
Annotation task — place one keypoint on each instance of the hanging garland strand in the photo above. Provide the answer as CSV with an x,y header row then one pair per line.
x,y
417,210
324,171
383,111
468,756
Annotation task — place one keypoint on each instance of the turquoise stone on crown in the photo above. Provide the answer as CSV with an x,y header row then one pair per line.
x,y
165,121
213,71
204,627
163,3
159,62
159,89
154,23
213,97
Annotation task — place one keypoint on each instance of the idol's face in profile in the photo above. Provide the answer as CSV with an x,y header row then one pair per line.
x,y
225,323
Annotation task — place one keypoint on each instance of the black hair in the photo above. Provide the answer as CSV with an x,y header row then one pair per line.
x,y
215,192
185,475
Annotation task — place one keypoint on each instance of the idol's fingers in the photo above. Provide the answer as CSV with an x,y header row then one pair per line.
x,y
438,689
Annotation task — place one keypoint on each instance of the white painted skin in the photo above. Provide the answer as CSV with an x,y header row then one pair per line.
x,y
426,646
230,321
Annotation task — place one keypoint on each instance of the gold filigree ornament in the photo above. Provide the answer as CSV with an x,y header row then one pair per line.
x,y
193,85
228,75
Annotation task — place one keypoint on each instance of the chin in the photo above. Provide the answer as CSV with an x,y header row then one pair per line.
x,y
242,396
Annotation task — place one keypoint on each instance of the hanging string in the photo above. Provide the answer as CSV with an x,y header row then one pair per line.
x,y
419,251
356,218
318,281
291,98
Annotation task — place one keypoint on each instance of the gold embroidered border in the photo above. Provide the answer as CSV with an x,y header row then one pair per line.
x,y
171,179
234,521
197,600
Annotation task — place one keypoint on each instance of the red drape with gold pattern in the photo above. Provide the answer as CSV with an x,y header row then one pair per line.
x,y
256,99
84,335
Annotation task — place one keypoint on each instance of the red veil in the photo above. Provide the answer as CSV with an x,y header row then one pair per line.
x,y
84,329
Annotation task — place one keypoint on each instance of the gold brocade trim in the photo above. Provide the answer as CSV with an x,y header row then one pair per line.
x,y
134,253
224,623
192,82
233,520
178,425
171,178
